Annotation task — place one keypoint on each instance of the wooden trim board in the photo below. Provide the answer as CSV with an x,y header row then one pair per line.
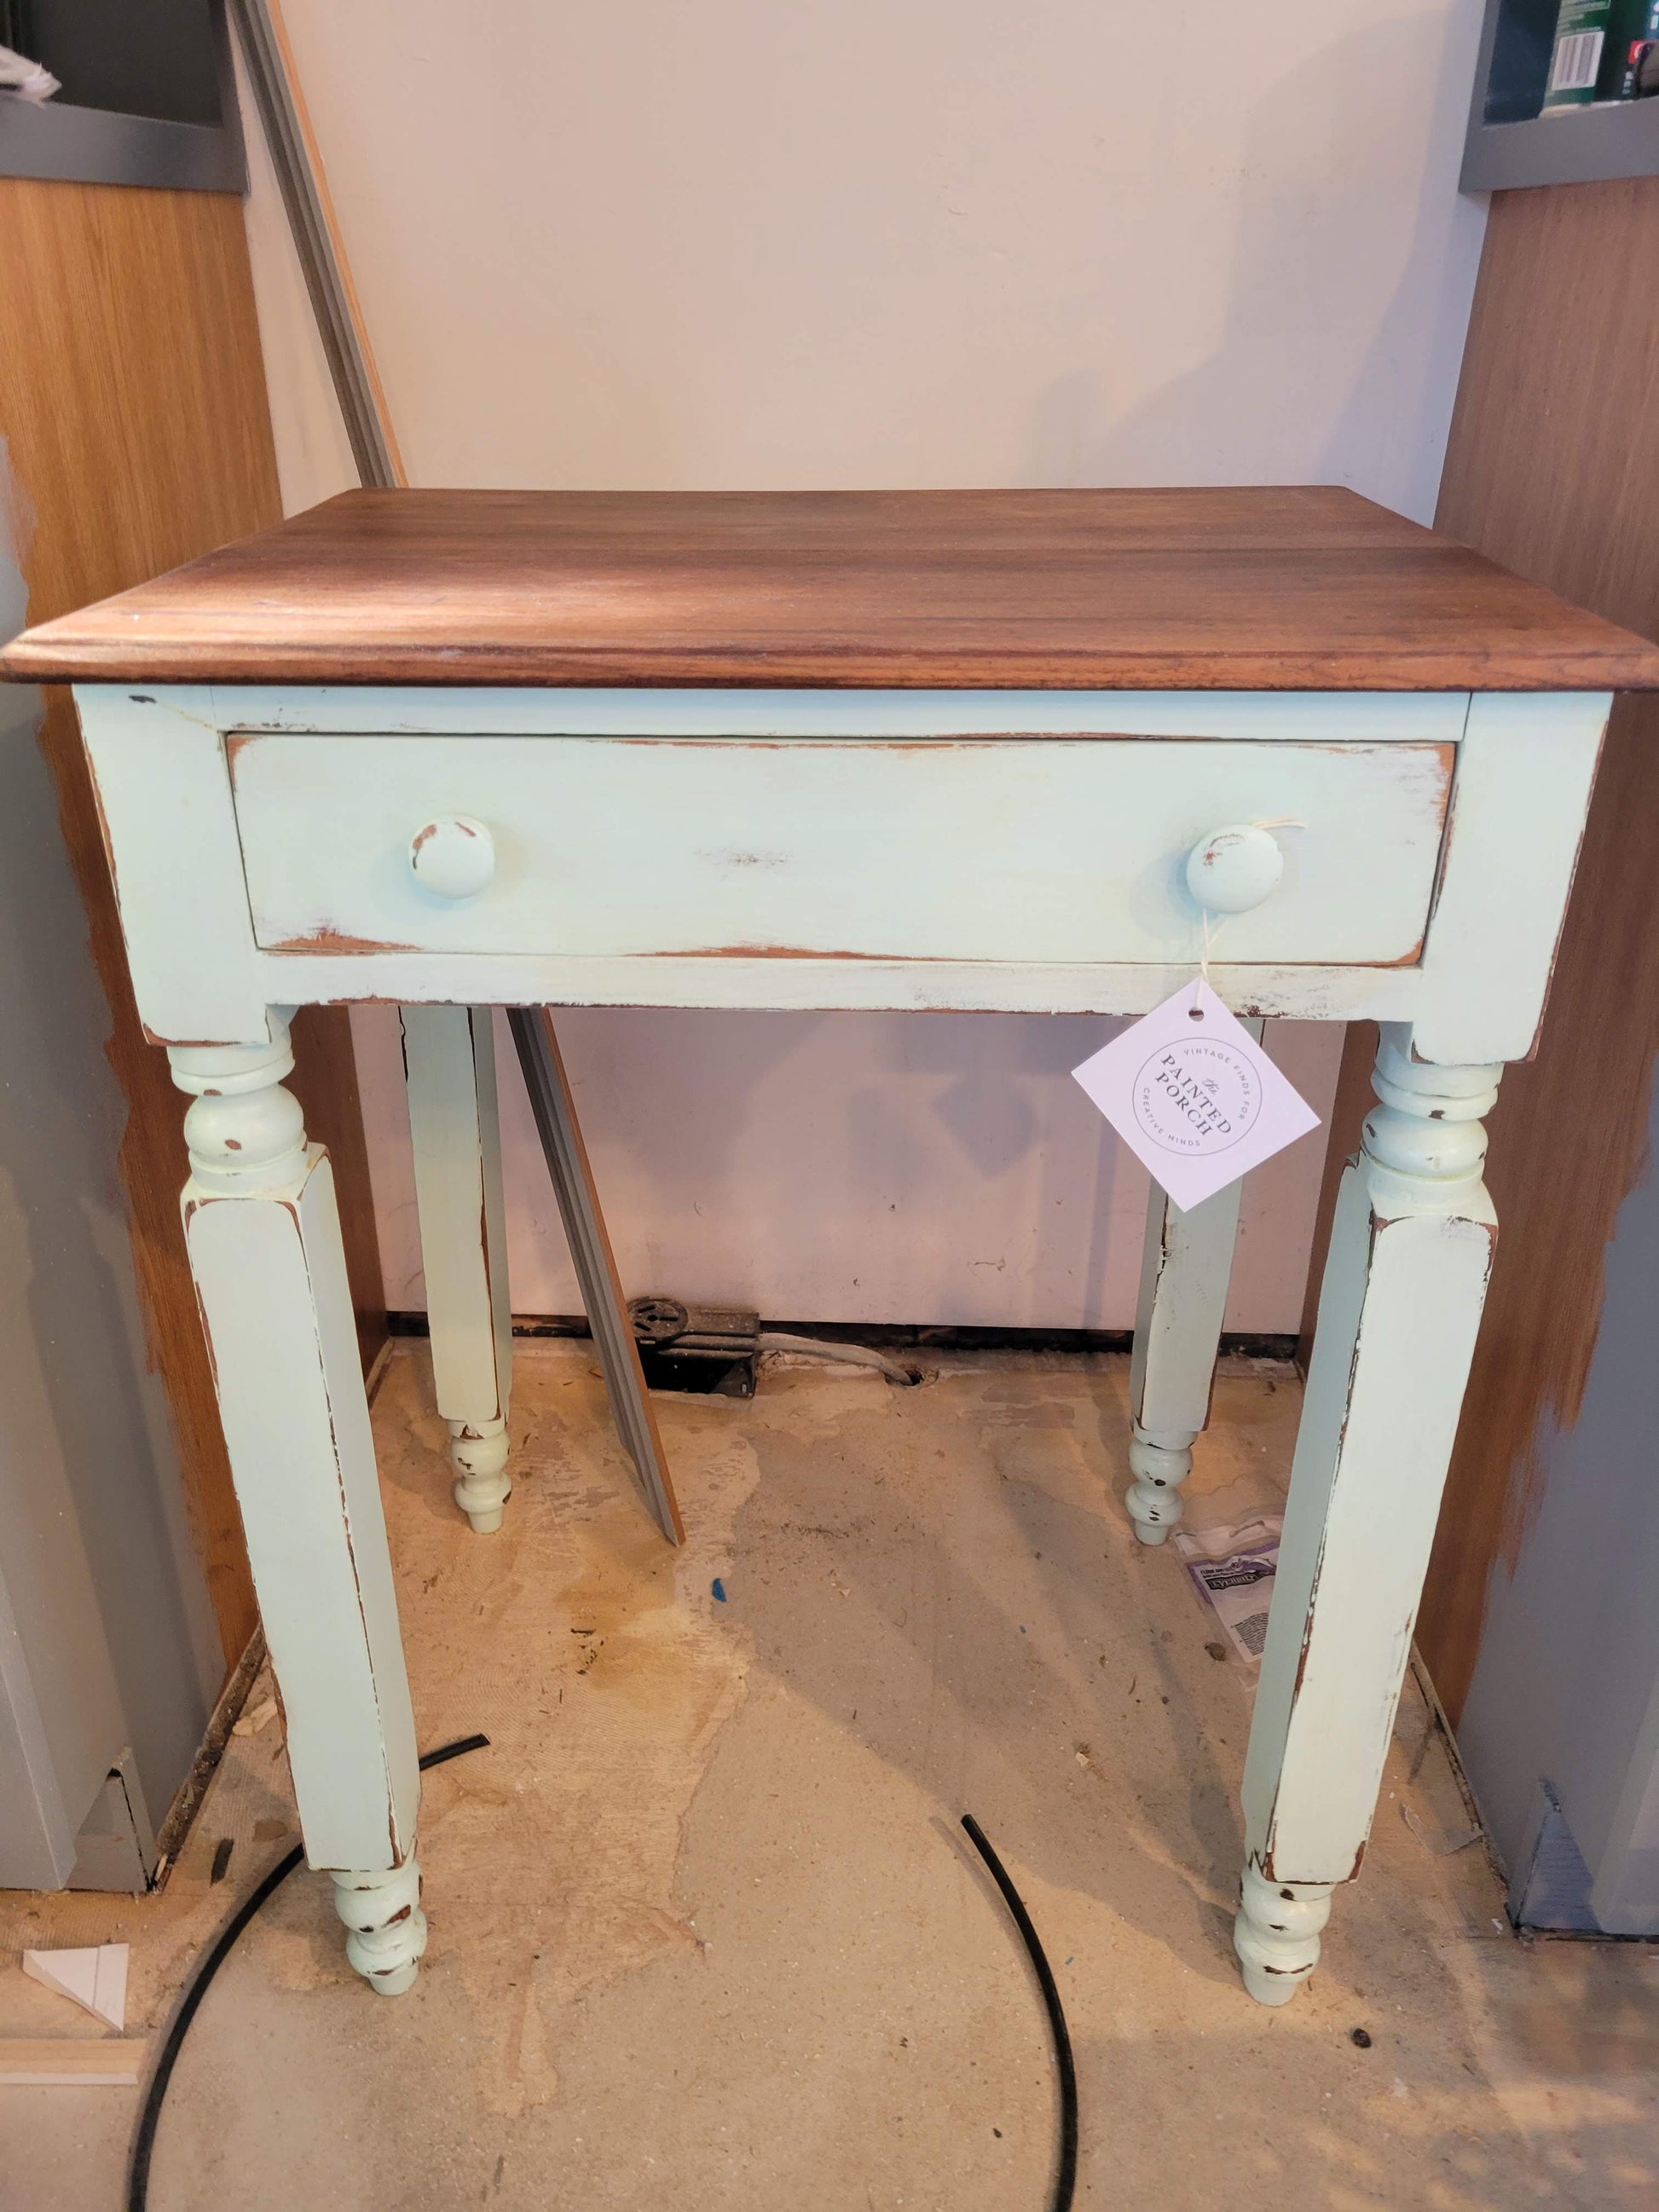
x,y
80,2061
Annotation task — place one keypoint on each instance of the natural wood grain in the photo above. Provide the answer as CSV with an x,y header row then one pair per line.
x,y
1300,589
133,405
1550,469
80,2061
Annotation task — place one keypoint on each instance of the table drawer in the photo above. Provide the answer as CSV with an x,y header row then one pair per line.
x,y
974,849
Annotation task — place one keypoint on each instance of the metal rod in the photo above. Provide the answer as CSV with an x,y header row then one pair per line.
x,y
322,259
590,1249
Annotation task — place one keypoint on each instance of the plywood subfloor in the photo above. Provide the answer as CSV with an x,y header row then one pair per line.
x,y
704,1930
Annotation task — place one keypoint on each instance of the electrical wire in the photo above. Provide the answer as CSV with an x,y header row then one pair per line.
x,y
149,2116
855,1355
1065,2173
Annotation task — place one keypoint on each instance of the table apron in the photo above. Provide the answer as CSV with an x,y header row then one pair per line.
x,y
866,856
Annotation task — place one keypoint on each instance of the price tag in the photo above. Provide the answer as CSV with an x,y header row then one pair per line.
x,y
1195,1096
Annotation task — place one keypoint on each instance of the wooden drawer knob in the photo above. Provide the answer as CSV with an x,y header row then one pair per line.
x,y
453,857
1234,868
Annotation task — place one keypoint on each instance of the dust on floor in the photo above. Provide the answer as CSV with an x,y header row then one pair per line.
x,y
704,1928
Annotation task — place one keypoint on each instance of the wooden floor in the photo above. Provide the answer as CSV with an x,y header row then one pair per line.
x,y
703,1930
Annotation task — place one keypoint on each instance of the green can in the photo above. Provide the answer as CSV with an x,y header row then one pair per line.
x,y
1634,26
1581,45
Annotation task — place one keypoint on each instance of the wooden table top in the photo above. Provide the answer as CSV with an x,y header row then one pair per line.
x,y
1302,588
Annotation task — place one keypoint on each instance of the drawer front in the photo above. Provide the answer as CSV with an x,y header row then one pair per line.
x,y
977,849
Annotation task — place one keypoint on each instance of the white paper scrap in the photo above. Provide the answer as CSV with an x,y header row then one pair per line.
x,y
95,1978
1193,1096
25,78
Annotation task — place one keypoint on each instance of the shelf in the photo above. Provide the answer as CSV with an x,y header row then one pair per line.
x,y
90,146
1511,145
149,98
1563,150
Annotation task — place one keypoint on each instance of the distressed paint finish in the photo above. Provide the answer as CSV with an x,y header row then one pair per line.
x,y
1410,1254
1012,850
1477,987
1263,717
385,1928
1185,1265
449,1061
264,1237
1525,769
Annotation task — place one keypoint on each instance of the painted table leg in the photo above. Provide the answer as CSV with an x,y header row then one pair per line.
x,y
449,1061
264,1236
1410,1253
1186,1263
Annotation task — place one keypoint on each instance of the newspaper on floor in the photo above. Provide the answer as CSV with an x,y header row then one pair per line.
x,y
1232,1569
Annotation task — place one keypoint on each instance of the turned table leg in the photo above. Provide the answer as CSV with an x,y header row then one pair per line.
x,y
1410,1252
264,1236
1185,1263
449,1061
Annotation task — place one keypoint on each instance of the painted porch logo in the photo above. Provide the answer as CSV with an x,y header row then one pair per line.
x,y
1197,1097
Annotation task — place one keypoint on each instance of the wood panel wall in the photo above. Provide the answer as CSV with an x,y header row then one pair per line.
x,y
1554,469
132,402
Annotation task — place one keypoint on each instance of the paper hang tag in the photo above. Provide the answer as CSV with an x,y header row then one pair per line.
x,y
1193,1096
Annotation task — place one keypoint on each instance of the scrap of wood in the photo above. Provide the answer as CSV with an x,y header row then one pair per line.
x,y
74,2063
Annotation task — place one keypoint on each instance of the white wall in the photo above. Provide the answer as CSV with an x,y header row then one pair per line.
x,y
872,242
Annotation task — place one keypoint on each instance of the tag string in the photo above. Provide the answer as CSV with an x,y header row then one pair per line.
x,y
1203,960
1276,822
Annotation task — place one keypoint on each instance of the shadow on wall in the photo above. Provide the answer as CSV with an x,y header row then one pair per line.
x,y
937,1165
112,1616
1304,268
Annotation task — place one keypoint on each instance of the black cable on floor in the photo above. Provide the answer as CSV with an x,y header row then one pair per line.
x,y
1066,2176
149,2116
143,2141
